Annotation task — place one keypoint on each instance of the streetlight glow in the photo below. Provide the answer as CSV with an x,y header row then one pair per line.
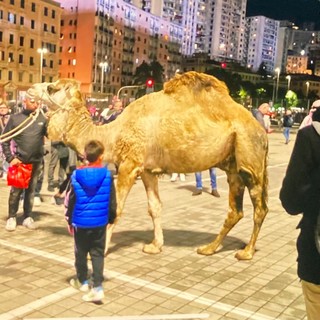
x,y
289,81
42,51
308,85
104,67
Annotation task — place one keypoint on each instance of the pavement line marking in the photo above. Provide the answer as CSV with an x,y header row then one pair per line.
x,y
151,317
138,282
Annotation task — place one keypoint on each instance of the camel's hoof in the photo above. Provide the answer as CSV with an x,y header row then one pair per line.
x,y
205,250
151,249
243,255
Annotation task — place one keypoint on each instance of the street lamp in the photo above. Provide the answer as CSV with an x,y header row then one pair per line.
x,y
277,70
307,92
104,67
42,51
289,81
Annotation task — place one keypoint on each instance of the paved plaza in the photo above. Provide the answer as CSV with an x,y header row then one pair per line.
x,y
36,266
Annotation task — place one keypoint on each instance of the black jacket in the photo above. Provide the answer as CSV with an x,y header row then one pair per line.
x,y
29,143
300,193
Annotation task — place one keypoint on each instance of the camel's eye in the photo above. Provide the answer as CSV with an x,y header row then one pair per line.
x,y
51,89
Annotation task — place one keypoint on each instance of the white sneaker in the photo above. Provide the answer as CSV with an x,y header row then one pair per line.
x,y
95,295
4,176
29,223
37,201
182,177
11,224
83,287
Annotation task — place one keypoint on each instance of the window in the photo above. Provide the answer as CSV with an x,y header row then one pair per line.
x,y
33,7
12,2
31,61
20,58
31,43
1,36
11,18
33,24
11,38
51,64
53,14
30,78
45,11
21,21
53,30
10,58
45,27
10,73
22,4
21,41
20,76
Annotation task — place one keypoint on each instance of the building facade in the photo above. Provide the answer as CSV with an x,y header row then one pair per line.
x,y
29,45
103,42
262,43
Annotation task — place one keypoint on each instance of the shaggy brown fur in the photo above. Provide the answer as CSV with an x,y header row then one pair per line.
x,y
192,125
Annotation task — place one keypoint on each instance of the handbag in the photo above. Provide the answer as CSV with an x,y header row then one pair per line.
x,y
19,175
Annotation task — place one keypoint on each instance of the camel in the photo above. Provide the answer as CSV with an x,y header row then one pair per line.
x,y
191,125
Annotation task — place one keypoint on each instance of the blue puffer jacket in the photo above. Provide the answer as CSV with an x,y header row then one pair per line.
x,y
92,187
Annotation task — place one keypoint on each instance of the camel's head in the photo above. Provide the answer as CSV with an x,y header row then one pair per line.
x,y
56,94
60,97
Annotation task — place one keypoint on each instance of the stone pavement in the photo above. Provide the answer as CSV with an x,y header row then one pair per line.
x,y
35,266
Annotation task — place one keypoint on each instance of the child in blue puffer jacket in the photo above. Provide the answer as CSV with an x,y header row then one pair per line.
x,y
90,205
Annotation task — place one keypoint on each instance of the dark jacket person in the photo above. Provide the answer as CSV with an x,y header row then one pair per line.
x,y
300,194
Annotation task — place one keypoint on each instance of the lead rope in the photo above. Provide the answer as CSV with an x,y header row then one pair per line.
x,y
16,131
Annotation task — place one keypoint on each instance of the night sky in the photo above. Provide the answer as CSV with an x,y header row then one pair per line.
x,y
297,11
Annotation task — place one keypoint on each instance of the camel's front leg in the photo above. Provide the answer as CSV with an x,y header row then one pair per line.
x,y
235,213
150,182
127,174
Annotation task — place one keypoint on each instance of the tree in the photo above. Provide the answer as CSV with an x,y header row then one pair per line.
x,y
291,99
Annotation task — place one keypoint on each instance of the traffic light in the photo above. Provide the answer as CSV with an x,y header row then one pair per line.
x,y
223,65
149,85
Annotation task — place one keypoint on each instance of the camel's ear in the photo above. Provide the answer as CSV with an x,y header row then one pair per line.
x,y
78,94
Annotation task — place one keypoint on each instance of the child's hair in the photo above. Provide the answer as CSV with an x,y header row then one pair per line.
x,y
93,150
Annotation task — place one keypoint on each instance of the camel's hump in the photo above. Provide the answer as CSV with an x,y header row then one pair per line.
x,y
196,82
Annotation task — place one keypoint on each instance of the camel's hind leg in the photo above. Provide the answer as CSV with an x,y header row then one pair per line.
x,y
258,195
150,182
235,213
127,174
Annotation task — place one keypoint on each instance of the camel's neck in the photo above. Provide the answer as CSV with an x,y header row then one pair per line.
x,y
79,129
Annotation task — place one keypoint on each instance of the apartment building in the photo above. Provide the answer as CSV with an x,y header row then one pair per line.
x,y
262,43
225,30
104,42
29,45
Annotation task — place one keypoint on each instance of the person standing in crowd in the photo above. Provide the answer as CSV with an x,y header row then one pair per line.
x,y
307,120
175,176
90,204
287,124
59,152
213,182
260,114
28,149
299,194
4,117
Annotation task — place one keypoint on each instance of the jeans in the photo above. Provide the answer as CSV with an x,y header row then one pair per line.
x,y
286,133
40,180
213,179
92,241
15,194
63,164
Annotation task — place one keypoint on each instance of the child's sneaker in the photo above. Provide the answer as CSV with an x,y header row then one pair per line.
x,y
83,287
95,295
11,224
29,223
